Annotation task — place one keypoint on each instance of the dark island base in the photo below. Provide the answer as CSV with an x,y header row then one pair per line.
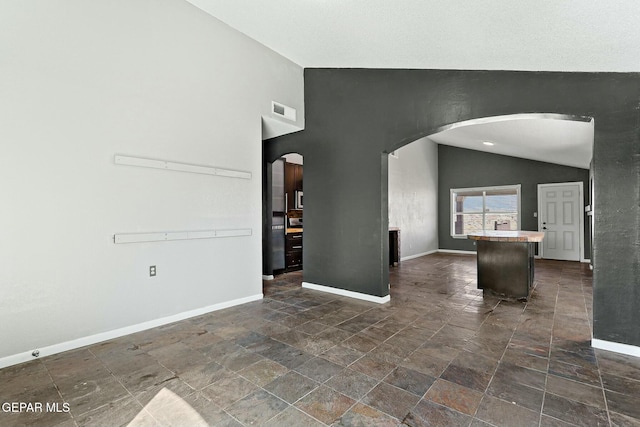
x,y
505,269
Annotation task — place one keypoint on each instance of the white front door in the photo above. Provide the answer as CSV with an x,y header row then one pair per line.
x,y
559,218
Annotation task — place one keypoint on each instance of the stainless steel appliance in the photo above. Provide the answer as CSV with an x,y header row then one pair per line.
x,y
295,222
278,215
298,199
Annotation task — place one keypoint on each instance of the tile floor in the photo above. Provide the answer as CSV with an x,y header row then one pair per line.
x,y
439,354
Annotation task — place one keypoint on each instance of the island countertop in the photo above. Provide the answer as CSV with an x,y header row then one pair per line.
x,y
507,236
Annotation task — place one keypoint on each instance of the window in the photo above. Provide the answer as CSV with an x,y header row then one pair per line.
x,y
485,208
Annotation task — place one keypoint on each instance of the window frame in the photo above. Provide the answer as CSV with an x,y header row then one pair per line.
x,y
482,190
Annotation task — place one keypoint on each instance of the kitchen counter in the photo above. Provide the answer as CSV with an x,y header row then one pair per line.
x,y
508,236
506,262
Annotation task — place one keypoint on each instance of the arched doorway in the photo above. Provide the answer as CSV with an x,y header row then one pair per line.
x,y
503,161
359,114
283,200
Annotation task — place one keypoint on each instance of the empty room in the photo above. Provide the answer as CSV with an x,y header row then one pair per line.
x,y
323,213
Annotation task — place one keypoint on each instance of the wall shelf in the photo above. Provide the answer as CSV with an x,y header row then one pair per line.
x,y
179,235
179,167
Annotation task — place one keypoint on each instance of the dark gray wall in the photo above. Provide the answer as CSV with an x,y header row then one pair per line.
x,y
460,168
354,116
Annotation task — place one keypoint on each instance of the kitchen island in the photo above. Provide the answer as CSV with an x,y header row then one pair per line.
x,y
506,262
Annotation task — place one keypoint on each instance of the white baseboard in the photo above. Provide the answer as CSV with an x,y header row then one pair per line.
x,y
346,293
616,347
586,261
454,251
116,333
406,258
267,277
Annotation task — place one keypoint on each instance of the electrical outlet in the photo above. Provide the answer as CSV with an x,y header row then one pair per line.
x,y
152,270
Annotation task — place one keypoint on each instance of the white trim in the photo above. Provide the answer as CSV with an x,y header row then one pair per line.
x,y
406,258
616,347
455,251
116,333
580,185
346,293
267,277
586,261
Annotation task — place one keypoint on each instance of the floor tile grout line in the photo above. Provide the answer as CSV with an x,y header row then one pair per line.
x,y
501,358
74,417
55,385
123,386
546,378
604,393
448,364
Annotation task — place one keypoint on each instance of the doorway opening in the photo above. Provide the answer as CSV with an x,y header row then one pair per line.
x,y
560,218
283,251
412,200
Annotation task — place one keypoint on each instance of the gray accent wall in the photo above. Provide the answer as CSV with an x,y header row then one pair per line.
x,y
462,168
354,117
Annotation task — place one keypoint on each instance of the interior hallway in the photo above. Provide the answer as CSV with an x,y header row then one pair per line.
x,y
439,354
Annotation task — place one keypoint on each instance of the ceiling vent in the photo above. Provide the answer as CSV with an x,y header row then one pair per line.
x,y
281,110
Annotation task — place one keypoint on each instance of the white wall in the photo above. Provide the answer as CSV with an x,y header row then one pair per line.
x,y
81,81
413,197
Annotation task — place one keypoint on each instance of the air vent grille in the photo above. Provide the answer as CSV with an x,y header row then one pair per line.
x,y
283,111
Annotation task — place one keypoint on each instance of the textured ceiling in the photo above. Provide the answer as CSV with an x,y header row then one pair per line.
x,y
528,35
532,35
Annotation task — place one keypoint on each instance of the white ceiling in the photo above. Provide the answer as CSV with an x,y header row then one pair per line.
x,y
533,35
529,35
553,140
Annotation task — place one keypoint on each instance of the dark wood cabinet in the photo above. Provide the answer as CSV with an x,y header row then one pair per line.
x,y
292,183
394,246
293,237
293,251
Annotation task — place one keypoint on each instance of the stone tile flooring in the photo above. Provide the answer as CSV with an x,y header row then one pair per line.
x,y
439,354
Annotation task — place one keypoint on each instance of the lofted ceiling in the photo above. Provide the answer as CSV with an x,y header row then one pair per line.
x,y
527,35
546,138
532,35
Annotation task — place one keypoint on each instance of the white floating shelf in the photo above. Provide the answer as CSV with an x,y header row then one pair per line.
x,y
180,167
179,235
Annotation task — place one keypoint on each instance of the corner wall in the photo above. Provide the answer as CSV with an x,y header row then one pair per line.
x,y
413,197
83,81
355,116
